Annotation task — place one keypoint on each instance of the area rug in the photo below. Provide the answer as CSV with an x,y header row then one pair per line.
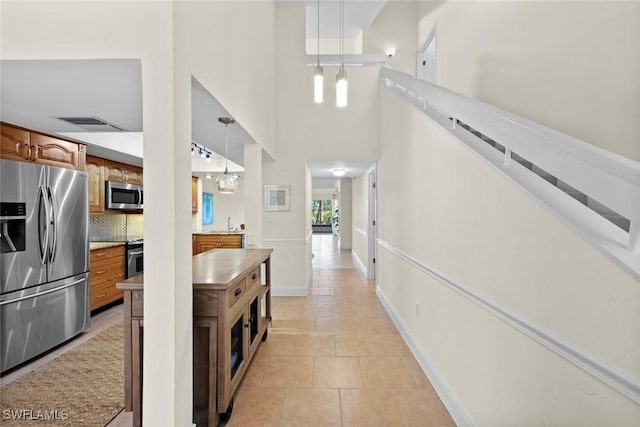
x,y
82,387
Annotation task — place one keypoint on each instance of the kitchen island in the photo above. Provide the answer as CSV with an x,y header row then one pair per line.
x,y
231,312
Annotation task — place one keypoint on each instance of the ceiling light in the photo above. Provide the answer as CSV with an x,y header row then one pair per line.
x,y
341,78
339,172
390,51
318,76
208,176
225,183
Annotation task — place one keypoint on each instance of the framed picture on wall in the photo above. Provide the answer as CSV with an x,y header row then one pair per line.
x,y
207,208
277,198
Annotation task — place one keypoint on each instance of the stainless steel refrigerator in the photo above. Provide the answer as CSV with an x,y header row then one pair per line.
x,y
44,258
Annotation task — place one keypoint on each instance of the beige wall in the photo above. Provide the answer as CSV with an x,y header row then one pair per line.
x,y
228,46
306,131
360,214
88,30
441,205
224,206
571,66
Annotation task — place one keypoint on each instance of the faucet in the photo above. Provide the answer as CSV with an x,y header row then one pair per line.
x,y
229,226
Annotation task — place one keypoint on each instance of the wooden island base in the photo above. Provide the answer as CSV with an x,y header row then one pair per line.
x,y
231,312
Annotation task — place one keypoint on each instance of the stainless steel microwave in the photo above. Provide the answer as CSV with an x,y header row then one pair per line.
x,y
121,195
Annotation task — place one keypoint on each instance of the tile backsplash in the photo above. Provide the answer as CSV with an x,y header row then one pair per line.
x,y
108,227
115,226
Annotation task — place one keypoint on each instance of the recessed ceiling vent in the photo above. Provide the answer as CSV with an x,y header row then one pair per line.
x,y
93,123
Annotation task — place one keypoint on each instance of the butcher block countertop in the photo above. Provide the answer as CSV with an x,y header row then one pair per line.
x,y
214,269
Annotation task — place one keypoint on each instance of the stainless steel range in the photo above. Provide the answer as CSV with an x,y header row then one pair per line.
x,y
134,257
44,258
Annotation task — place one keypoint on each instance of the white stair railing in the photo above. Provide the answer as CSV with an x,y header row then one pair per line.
x,y
592,190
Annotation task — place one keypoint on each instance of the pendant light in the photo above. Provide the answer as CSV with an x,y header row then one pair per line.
x,y
225,183
341,78
318,76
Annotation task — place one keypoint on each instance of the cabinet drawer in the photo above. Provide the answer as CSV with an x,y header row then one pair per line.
x,y
104,293
253,278
112,268
205,303
101,254
236,292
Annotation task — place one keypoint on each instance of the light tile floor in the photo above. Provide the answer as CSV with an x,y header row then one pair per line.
x,y
326,253
335,360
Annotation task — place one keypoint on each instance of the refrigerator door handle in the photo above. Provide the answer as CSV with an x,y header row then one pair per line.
x,y
68,285
5,233
44,249
54,219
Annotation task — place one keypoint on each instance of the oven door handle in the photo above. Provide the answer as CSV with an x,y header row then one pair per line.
x,y
134,253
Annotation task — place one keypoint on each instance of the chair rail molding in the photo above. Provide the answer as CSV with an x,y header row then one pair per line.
x,y
621,381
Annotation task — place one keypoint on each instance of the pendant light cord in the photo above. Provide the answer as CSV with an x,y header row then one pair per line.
x,y
318,33
342,34
226,148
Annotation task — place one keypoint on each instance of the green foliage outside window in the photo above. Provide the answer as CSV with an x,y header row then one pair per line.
x,y
321,212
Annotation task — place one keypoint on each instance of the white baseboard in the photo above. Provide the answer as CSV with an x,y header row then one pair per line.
x,y
288,291
359,264
453,405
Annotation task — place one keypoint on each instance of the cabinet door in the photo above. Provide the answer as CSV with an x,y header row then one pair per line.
x,y
95,170
194,194
46,150
253,323
120,172
15,143
134,174
114,171
234,358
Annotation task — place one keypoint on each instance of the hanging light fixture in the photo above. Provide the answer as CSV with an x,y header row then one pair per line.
x,y
341,78
318,76
225,183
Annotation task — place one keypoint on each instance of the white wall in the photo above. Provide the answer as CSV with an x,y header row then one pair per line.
x,y
224,206
360,215
229,47
571,66
346,214
88,30
304,134
441,205
395,26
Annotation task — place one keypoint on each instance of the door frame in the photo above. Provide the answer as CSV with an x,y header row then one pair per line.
x,y
372,224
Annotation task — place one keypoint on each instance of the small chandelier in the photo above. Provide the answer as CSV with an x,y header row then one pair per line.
x,y
225,183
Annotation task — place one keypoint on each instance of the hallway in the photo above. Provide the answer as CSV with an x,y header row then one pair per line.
x,y
335,358
327,254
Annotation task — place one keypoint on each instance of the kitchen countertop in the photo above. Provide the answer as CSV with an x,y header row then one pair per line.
x,y
219,232
104,245
217,268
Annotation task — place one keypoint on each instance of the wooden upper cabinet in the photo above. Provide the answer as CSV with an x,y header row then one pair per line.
x,y
26,146
120,172
194,194
95,170
46,150
15,143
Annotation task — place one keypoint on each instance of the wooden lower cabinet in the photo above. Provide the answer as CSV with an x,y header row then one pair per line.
x,y
206,242
230,321
106,269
